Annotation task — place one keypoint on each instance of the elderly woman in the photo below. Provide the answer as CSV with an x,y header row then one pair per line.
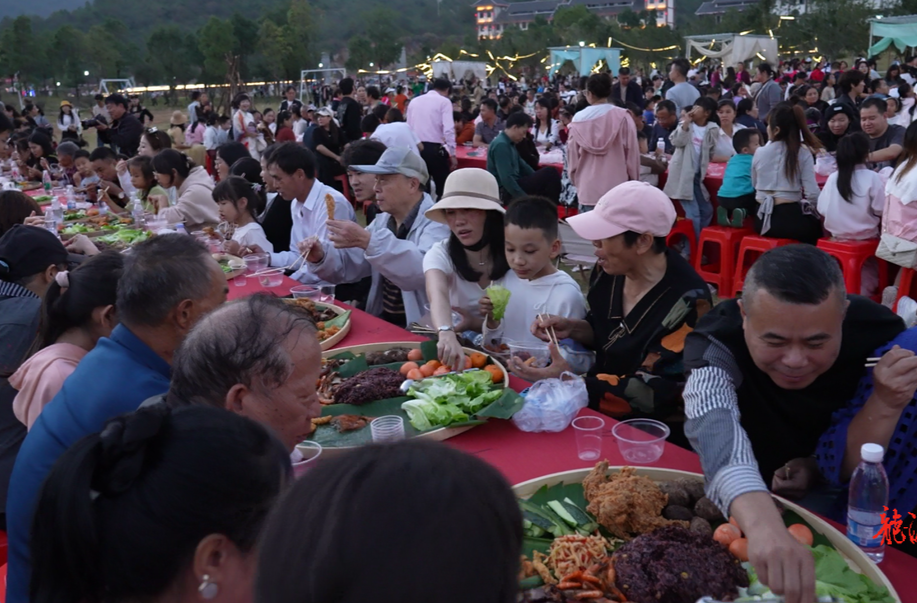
x,y
643,303
66,154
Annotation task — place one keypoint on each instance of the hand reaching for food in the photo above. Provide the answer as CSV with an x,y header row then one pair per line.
x,y
312,248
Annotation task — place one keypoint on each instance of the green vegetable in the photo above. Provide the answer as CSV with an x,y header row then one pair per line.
x,y
449,399
557,525
42,199
127,236
531,582
76,229
74,215
499,297
558,508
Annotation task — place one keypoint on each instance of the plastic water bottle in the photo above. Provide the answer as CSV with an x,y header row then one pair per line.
x,y
15,176
660,145
865,506
180,228
71,198
137,210
46,181
55,215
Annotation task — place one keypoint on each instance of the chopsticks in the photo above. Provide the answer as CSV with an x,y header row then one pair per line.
x,y
871,362
552,336
281,269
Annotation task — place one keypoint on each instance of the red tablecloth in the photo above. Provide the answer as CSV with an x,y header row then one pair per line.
x,y
477,157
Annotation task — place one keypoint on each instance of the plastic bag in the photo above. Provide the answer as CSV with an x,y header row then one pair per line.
x,y
551,404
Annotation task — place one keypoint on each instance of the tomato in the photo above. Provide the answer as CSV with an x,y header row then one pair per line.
x,y
739,549
726,534
801,533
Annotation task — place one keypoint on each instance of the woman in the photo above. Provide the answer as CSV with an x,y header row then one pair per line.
x,y
546,130
267,127
243,122
726,112
285,127
15,207
893,75
78,310
66,161
783,174
298,123
228,154
162,504
694,140
329,142
68,123
195,133
153,141
900,217
424,537
458,269
643,300
906,98
193,189
41,156
809,95
177,125
838,121
276,219
828,87
747,115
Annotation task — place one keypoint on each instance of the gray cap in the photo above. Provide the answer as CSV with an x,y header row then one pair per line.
x,y
397,161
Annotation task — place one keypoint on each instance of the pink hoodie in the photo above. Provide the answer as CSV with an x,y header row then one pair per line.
x,y
602,151
41,377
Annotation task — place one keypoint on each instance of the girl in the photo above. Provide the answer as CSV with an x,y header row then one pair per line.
x,y
694,140
329,142
177,130
213,133
108,531
285,127
905,113
563,132
193,186
144,180
267,127
195,134
828,91
153,141
240,205
545,130
783,174
243,122
78,310
726,112
68,123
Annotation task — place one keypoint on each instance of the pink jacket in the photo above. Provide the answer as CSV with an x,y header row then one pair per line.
x,y
602,152
41,377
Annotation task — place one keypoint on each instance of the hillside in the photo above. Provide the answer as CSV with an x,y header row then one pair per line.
x,y
14,8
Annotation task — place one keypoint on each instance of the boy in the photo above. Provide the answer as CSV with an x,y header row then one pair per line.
x,y
536,286
85,176
736,194
650,165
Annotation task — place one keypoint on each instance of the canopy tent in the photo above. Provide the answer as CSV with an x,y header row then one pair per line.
x,y
732,48
119,84
900,31
306,75
458,70
584,58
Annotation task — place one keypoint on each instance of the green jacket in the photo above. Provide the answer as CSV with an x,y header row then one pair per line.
x,y
504,163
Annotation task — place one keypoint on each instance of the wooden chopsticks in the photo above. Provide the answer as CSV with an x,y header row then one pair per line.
x,y
871,362
550,331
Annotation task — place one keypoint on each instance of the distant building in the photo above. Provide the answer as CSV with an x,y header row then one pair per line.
x,y
493,17
718,8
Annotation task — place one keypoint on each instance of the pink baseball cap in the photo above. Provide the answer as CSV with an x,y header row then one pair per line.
x,y
633,205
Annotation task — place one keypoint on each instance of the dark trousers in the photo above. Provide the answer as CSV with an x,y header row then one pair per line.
x,y
544,183
746,202
788,222
438,164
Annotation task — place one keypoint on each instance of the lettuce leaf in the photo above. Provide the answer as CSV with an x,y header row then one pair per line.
x,y
449,399
499,297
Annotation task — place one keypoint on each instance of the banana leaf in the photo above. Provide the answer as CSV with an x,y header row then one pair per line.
x,y
338,321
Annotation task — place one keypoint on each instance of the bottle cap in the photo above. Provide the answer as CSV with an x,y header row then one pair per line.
x,y
872,453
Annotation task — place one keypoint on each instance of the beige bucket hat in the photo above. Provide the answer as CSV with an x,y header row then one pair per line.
x,y
467,188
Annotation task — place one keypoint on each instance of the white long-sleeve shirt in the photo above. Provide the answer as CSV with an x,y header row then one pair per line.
x,y
859,218
310,217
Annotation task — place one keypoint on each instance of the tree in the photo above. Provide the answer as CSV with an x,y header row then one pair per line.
x,y
299,31
218,45
834,26
359,53
386,36
22,52
66,53
275,49
169,54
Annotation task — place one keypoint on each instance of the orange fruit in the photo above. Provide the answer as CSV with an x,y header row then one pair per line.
x,y
435,364
739,549
726,534
801,533
408,367
478,360
495,372
441,371
414,374
468,363
427,370
416,355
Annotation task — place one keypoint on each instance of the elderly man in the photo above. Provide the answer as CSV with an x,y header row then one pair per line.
x,y
885,141
766,373
391,249
169,283
257,357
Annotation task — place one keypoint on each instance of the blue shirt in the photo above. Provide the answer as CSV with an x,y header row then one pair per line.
x,y
737,177
113,379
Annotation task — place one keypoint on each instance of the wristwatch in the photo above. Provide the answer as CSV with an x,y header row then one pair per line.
x,y
443,329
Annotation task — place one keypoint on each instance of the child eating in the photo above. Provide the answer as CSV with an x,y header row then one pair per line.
x,y
240,204
536,286
85,175
736,194
143,179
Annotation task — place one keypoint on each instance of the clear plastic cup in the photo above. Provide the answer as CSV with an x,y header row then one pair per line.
x,y
306,292
326,294
257,261
310,452
240,280
532,354
588,437
271,280
387,429
641,441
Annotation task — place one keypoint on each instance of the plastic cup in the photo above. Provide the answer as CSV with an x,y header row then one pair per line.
x,y
641,441
326,294
306,292
527,351
310,452
271,280
588,437
257,261
387,429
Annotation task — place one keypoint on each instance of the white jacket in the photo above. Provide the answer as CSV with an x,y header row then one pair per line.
x,y
398,260
195,206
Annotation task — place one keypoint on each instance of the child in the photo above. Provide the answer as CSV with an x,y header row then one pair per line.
x,y
536,286
144,180
853,199
736,194
240,204
85,176
650,166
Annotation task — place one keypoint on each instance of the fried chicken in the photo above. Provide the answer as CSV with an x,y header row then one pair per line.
x,y
344,423
626,504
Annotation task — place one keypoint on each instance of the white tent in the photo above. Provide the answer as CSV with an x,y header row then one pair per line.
x,y
119,84
457,70
733,48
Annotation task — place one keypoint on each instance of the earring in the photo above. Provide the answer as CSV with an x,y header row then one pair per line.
x,y
208,590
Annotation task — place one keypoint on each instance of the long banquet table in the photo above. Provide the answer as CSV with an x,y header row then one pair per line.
x,y
523,456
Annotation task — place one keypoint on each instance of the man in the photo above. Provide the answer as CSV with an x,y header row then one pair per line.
x,y
769,94
392,248
169,282
31,258
400,100
124,130
395,133
765,375
665,124
362,185
257,357
628,90
490,125
292,168
194,107
879,87
350,112
636,113
799,80
885,141
681,93
431,120
515,177
104,163
290,100
100,113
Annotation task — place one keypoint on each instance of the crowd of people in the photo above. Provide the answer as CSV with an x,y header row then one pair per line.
x,y
770,390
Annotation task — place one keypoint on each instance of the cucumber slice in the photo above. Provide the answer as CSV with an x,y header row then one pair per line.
x,y
558,507
576,513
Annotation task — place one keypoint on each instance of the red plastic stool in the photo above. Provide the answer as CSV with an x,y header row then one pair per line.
x,y
750,248
851,255
565,211
720,244
3,547
683,228
904,286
